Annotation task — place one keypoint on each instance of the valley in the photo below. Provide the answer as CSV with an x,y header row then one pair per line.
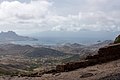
x,y
18,59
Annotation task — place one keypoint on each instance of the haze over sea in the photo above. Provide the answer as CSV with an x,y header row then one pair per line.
x,y
53,38
57,41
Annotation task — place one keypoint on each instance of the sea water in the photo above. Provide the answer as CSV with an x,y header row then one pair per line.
x,y
57,41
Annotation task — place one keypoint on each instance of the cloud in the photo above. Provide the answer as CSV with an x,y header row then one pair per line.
x,y
60,15
94,15
21,16
16,9
93,21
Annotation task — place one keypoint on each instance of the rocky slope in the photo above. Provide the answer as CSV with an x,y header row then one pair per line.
x,y
105,71
105,54
27,50
82,50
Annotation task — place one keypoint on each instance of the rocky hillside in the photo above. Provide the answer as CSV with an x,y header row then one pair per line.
x,y
82,50
27,50
105,71
105,54
102,66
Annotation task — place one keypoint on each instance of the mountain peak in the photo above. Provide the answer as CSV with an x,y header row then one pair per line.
x,y
9,32
12,36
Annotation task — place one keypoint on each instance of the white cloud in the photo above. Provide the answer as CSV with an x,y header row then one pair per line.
x,y
94,21
43,15
17,9
22,16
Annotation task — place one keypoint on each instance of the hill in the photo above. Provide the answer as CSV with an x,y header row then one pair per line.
x,y
12,36
27,50
81,50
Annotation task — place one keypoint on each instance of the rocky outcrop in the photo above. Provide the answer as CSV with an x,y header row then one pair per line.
x,y
75,65
105,54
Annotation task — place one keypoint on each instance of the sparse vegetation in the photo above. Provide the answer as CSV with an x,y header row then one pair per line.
x,y
117,40
72,58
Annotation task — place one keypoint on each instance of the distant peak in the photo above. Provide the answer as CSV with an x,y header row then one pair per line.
x,y
11,32
8,32
12,36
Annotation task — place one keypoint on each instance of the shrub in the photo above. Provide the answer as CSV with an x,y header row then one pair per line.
x,y
117,40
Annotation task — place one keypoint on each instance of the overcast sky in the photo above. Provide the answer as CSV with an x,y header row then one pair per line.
x,y
31,16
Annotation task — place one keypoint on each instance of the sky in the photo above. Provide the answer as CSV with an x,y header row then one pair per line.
x,y
34,16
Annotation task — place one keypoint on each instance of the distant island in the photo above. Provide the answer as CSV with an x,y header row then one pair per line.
x,y
12,36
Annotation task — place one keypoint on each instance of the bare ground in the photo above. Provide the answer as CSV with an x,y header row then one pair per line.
x,y
106,71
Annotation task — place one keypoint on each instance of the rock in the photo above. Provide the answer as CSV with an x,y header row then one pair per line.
x,y
86,75
57,74
75,65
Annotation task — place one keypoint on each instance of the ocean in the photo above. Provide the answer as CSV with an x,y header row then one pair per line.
x,y
57,41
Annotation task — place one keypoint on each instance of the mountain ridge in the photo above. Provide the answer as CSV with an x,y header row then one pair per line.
x,y
12,36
